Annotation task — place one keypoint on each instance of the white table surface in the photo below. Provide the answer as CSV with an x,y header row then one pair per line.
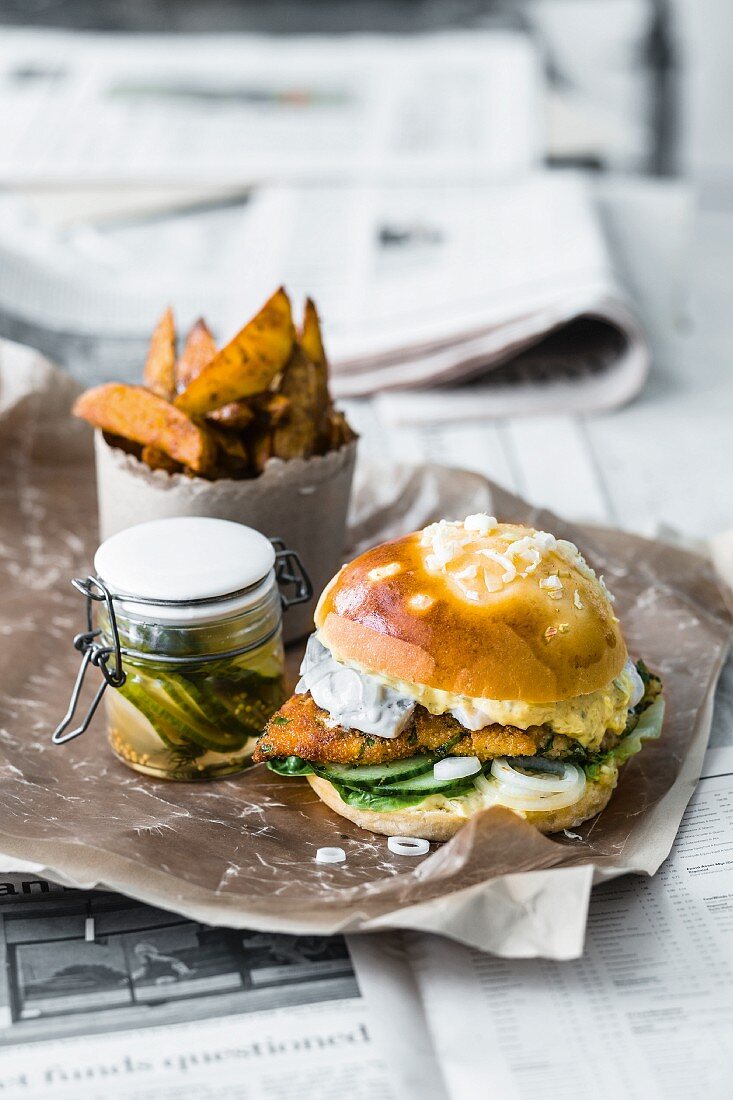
x,y
663,460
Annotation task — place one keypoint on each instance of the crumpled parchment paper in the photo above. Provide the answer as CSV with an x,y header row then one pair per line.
x,y
240,852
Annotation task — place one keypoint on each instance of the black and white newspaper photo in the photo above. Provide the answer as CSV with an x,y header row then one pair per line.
x,y
103,995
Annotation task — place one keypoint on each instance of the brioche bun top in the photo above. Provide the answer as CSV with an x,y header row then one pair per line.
x,y
478,608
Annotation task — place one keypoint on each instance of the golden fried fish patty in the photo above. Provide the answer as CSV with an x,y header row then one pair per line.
x,y
300,728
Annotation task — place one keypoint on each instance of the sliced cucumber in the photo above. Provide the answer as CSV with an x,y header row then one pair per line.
x,y
161,699
423,783
205,707
376,775
251,698
171,731
212,704
426,784
537,764
254,706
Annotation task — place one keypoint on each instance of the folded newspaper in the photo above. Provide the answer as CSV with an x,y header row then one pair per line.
x,y
394,180
242,854
449,302
488,301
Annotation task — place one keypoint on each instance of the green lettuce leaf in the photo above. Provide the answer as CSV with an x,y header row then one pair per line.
x,y
290,765
648,728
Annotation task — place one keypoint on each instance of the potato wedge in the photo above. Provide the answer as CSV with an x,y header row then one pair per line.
x,y
237,414
298,435
129,446
248,364
159,374
273,407
310,338
233,458
138,414
198,351
311,341
340,431
159,460
260,445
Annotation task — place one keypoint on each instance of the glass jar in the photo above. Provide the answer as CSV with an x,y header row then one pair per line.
x,y
189,637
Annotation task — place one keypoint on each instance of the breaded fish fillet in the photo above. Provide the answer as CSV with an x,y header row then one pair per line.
x,y
300,728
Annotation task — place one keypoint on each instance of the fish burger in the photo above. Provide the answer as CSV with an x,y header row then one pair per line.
x,y
468,665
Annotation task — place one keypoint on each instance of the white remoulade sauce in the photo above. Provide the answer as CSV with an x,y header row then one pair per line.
x,y
357,699
353,700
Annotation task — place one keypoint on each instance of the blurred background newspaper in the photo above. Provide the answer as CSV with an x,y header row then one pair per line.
x,y
397,180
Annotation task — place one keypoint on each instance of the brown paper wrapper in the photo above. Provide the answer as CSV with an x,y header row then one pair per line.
x,y
241,852
303,501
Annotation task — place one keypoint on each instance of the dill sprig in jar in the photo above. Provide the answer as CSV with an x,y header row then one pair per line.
x,y
188,636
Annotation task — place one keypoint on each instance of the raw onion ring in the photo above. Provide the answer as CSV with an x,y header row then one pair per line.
x,y
545,784
456,767
539,795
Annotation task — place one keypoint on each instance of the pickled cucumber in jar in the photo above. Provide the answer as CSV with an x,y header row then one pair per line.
x,y
199,721
195,610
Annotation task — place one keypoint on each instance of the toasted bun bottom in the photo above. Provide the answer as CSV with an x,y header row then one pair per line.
x,y
442,823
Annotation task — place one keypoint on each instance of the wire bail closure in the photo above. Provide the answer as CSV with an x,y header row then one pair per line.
x,y
93,653
289,570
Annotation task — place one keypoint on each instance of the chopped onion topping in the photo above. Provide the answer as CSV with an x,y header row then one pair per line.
x,y
330,855
421,601
510,569
454,548
408,845
456,767
480,523
383,571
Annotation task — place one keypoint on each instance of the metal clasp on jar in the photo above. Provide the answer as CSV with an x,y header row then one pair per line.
x,y
289,571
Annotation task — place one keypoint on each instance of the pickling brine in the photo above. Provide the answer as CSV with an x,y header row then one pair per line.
x,y
199,721
196,695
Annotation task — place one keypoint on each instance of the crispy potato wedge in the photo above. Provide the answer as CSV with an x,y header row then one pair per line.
x,y
159,460
297,436
138,414
311,341
273,407
233,457
310,338
198,351
129,446
340,431
248,364
260,444
237,414
159,374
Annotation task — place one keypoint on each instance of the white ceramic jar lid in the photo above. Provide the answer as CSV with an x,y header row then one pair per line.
x,y
183,559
